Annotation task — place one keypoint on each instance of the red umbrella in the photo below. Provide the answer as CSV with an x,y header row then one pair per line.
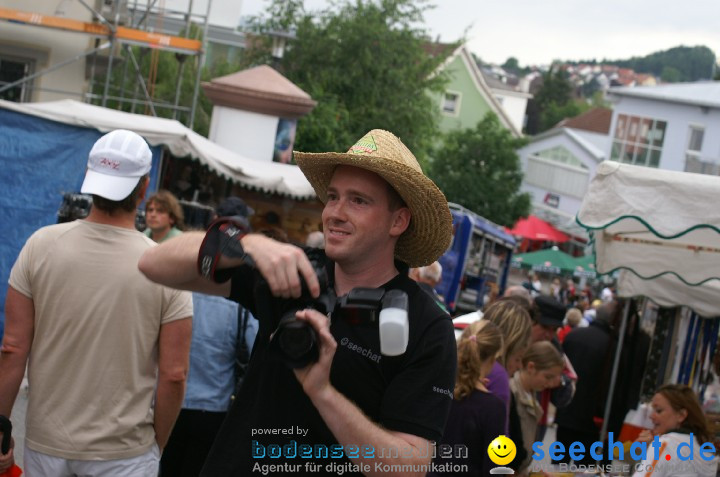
x,y
533,228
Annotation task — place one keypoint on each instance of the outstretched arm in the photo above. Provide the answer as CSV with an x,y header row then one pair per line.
x,y
346,421
174,263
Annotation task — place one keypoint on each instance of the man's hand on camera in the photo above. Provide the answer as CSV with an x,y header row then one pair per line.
x,y
315,377
281,265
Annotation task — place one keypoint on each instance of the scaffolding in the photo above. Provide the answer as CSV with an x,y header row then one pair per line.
x,y
117,27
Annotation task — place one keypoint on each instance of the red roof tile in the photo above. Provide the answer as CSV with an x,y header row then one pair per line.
x,y
596,120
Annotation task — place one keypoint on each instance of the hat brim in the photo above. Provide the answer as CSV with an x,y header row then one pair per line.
x,y
550,322
113,188
430,230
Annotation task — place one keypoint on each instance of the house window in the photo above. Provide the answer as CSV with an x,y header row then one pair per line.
x,y
11,70
451,103
561,155
638,140
693,160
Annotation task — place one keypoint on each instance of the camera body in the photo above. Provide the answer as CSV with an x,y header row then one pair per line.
x,y
295,341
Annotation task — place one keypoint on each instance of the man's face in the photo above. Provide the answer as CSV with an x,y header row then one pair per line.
x,y
357,222
157,218
542,332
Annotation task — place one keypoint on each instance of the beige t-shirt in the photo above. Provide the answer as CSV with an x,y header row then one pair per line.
x,y
93,361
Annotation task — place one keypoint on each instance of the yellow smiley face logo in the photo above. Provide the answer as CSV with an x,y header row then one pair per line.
x,y
502,450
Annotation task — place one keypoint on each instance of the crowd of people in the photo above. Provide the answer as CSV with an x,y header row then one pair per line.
x,y
227,352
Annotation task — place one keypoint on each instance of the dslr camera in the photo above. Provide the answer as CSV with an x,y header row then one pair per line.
x,y
294,341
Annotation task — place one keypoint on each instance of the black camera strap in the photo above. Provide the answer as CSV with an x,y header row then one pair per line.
x,y
242,351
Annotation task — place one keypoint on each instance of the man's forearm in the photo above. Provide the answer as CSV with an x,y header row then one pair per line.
x,y
351,427
174,262
12,370
168,402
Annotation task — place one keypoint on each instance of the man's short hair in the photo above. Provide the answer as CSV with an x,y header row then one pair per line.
x,y
128,204
395,201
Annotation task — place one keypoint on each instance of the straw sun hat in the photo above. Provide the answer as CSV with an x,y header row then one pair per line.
x,y
430,230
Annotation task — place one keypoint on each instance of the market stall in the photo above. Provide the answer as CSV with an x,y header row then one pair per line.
x,y
661,231
43,154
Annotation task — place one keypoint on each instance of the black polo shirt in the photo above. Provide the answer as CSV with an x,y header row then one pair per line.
x,y
274,423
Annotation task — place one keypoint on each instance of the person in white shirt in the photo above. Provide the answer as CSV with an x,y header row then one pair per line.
x,y
682,433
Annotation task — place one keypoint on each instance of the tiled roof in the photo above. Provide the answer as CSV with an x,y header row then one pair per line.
x,y
596,120
262,90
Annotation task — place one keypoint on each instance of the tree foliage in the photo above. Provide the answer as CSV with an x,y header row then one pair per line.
x,y
683,63
365,64
479,169
552,103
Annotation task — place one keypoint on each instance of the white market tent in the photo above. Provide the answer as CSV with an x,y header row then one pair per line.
x,y
272,177
661,230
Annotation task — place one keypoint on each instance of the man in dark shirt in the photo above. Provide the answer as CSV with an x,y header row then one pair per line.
x,y
371,413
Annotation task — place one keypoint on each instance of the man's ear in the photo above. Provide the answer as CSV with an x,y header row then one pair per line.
x,y
143,190
400,221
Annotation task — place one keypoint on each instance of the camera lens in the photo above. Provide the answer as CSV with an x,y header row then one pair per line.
x,y
296,339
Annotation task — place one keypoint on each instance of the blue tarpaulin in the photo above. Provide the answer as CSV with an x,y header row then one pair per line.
x,y
40,160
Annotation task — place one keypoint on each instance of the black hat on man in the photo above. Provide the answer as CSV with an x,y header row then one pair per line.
x,y
234,206
549,311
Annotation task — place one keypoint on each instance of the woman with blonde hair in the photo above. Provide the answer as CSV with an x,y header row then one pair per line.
x,y
684,435
511,316
476,416
542,366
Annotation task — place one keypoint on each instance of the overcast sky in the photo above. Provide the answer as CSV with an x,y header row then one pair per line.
x,y
538,31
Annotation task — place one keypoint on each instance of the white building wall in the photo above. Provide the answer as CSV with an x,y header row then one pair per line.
x,y
601,141
49,47
568,204
679,118
514,106
247,133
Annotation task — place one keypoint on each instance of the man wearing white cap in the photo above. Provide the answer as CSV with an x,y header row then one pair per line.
x,y
107,348
355,410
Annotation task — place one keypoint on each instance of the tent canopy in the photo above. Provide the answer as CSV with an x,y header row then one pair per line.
x,y
533,228
273,177
660,226
556,261
549,260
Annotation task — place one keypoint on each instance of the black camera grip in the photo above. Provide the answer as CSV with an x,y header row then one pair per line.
x,y
6,429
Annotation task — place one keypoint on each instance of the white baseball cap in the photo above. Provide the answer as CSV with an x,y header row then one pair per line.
x,y
116,163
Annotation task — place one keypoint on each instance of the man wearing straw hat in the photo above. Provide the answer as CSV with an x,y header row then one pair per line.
x,y
354,411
